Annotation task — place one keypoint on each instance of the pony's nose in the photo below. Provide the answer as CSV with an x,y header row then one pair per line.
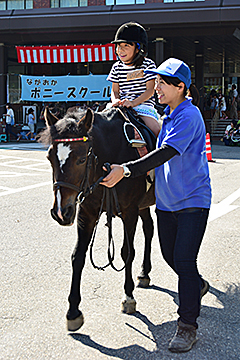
x,y
67,212
67,215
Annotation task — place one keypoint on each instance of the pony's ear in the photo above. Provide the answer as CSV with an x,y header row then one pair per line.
x,y
50,119
87,120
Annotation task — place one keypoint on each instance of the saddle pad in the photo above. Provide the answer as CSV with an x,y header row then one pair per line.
x,y
141,150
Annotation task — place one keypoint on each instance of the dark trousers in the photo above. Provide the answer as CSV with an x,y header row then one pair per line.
x,y
180,235
233,111
9,131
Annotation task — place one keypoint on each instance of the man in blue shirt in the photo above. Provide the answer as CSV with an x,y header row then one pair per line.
x,y
183,192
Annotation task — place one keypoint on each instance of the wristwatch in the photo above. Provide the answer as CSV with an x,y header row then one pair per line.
x,y
126,171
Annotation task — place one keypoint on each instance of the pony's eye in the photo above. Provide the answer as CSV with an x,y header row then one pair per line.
x,y
81,161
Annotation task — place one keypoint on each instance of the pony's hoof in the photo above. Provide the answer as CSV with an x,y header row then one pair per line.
x,y
74,325
143,282
128,306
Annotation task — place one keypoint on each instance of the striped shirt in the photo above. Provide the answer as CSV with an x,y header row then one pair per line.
x,y
132,81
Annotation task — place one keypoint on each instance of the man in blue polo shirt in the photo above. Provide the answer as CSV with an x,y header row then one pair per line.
x,y
183,181
183,192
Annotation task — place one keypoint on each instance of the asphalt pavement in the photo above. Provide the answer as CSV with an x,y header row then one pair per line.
x,y
35,262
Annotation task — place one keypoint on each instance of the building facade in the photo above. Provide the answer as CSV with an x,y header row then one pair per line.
x,y
203,33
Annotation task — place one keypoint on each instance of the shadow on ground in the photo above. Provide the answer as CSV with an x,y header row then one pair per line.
x,y
218,333
220,151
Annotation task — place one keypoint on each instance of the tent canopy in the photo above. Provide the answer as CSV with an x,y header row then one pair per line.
x,y
65,54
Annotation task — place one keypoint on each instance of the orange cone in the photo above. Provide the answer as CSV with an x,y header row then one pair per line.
x,y
208,148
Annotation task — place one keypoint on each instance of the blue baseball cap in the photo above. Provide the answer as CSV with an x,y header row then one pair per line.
x,y
174,68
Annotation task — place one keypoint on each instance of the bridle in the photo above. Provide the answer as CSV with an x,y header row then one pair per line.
x,y
85,188
109,195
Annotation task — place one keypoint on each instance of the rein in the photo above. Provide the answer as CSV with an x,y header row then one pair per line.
x,y
111,199
110,195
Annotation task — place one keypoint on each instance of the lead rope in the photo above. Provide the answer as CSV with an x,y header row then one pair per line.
x,y
111,199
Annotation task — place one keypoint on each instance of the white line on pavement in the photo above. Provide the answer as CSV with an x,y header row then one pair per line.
x,y
5,174
8,157
224,207
28,167
13,191
4,188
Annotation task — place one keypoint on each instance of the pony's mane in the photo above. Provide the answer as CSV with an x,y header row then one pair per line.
x,y
68,125
64,127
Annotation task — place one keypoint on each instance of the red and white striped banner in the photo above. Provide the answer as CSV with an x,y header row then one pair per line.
x,y
65,54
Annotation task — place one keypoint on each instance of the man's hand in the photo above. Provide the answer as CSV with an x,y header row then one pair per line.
x,y
114,176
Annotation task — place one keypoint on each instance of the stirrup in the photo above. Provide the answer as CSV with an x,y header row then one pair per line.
x,y
136,143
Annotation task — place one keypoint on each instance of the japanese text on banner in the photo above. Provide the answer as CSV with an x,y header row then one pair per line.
x,y
65,88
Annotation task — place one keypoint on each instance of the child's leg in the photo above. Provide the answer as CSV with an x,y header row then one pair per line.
x,y
224,115
152,124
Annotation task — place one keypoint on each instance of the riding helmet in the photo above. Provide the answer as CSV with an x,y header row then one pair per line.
x,y
133,32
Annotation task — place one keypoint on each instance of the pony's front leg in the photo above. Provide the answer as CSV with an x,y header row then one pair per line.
x,y
85,228
147,224
128,305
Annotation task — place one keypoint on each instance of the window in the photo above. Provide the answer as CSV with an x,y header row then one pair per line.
x,y
16,4
124,2
171,1
2,5
68,3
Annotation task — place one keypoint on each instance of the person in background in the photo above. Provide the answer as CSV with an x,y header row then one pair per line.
x,y
10,121
228,133
233,109
237,126
194,93
131,85
222,105
182,189
54,108
214,105
41,116
31,122
24,133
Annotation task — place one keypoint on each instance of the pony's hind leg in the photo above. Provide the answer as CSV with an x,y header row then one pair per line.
x,y
128,305
143,280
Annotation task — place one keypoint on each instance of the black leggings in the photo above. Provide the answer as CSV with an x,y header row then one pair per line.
x,y
181,234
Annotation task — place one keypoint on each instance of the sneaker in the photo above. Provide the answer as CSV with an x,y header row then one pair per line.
x,y
183,340
32,139
205,288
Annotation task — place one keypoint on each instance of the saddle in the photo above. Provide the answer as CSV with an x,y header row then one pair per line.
x,y
139,136
136,132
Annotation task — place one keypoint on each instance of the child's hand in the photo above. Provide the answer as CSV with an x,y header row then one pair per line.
x,y
127,103
116,102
